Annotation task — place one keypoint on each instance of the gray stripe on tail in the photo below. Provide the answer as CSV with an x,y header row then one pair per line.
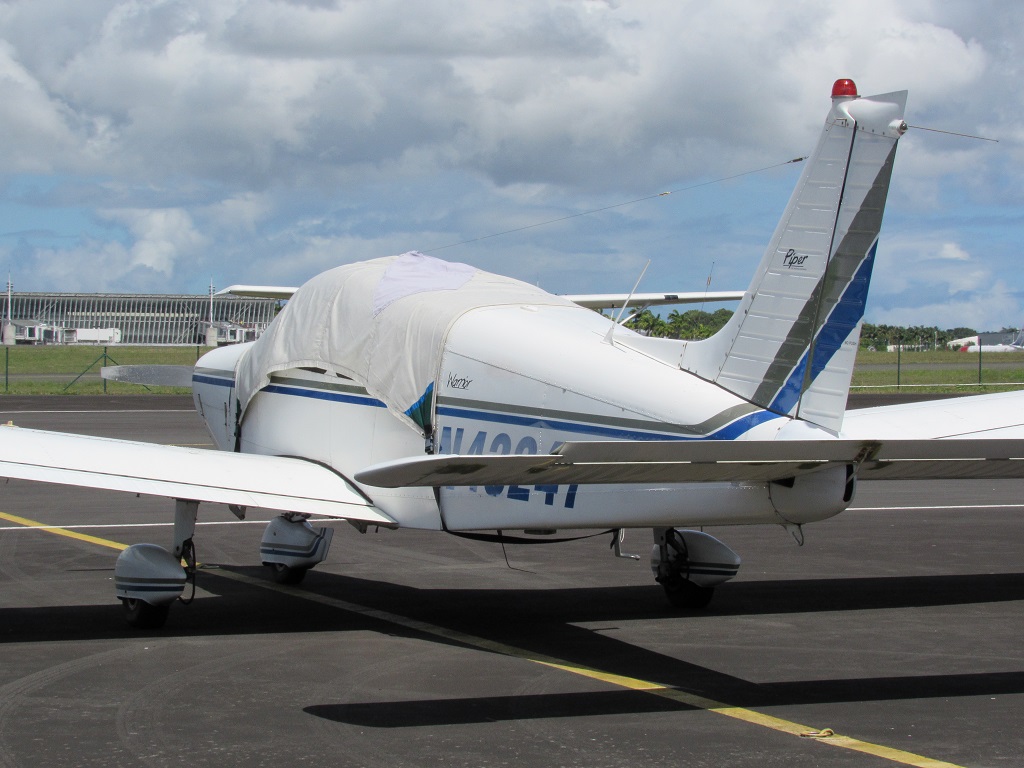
x,y
841,268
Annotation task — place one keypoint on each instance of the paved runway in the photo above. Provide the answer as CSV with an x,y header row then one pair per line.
x,y
898,626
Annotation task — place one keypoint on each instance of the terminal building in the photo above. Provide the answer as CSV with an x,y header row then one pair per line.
x,y
106,318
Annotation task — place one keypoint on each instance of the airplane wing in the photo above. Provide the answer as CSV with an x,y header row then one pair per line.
x,y
709,461
616,300
273,482
259,291
590,300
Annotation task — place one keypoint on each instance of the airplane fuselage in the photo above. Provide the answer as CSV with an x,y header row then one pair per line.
x,y
518,379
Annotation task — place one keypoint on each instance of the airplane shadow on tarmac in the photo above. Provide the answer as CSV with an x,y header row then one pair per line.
x,y
727,689
545,621
237,608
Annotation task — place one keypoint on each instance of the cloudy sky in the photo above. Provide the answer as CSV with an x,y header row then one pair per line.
x,y
156,146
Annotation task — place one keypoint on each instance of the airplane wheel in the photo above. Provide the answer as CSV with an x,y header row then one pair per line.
x,y
284,574
683,593
142,615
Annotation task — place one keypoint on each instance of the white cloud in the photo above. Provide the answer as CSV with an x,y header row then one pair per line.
x,y
995,307
907,260
952,252
91,266
161,237
265,137
241,213
933,281
35,132
524,92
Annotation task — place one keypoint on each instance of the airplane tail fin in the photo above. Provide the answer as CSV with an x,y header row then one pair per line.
x,y
791,344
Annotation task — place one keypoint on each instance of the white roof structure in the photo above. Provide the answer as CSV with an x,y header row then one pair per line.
x,y
382,323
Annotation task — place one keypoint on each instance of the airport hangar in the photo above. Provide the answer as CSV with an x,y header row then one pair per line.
x,y
108,318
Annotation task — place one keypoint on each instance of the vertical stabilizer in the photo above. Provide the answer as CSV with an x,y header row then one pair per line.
x,y
791,344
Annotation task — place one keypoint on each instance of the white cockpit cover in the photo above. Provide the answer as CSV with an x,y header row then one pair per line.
x,y
382,323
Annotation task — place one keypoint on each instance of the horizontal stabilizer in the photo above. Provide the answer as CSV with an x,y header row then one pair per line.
x,y
151,375
616,300
709,461
272,482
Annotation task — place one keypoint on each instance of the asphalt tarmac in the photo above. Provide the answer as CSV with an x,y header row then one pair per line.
x,y
892,637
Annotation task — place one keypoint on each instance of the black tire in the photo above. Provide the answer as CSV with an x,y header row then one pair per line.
x,y
686,595
284,574
142,615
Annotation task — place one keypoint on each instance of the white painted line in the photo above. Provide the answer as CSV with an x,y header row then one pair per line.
x,y
934,507
97,526
114,410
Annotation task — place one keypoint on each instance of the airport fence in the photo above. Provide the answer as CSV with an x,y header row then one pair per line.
x,y
938,371
74,369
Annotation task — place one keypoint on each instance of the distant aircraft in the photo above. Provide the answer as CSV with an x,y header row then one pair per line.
x,y
409,392
973,344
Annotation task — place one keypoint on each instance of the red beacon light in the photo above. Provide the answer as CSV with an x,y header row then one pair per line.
x,y
844,88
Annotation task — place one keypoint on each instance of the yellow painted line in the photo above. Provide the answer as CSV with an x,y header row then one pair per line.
x,y
63,531
822,736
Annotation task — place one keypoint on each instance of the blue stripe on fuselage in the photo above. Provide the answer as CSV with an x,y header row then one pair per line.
x,y
197,377
319,394
728,432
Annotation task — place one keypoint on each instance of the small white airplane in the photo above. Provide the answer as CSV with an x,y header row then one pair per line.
x,y
409,392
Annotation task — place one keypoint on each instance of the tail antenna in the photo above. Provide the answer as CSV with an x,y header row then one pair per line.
x,y
707,286
611,331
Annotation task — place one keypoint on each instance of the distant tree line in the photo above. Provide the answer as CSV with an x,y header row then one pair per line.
x,y
919,336
691,324
698,324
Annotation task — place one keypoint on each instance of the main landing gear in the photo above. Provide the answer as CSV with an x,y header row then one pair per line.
x,y
689,565
148,578
291,546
